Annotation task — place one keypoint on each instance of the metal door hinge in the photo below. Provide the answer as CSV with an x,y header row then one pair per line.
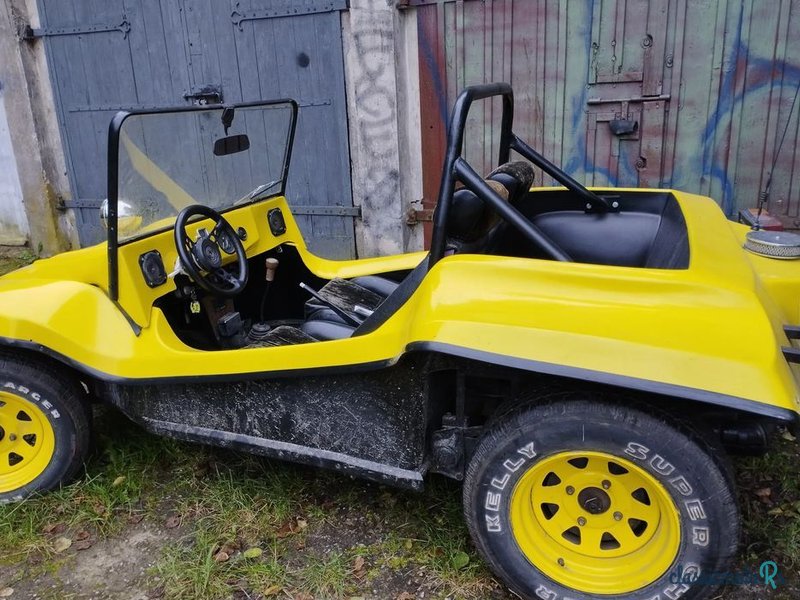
x,y
328,211
29,33
290,10
417,215
631,100
63,204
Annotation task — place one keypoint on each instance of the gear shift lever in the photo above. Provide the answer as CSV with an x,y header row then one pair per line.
x,y
271,266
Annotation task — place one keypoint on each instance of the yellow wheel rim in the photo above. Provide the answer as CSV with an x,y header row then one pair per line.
x,y
27,442
595,522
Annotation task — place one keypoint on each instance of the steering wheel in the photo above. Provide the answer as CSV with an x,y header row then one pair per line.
x,y
202,258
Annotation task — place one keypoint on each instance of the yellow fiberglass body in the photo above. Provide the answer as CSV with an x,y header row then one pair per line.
x,y
581,359
712,330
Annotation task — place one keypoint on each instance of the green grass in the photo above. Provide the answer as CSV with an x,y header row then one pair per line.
x,y
770,501
289,531
14,258
120,485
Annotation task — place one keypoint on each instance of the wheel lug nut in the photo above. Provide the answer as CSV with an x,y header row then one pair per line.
x,y
561,562
606,484
570,490
12,438
618,516
581,521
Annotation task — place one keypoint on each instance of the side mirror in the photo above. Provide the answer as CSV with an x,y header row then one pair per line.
x,y
231,144
103,211
128,222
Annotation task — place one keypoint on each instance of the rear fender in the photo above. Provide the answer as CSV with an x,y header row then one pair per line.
x,y
660,332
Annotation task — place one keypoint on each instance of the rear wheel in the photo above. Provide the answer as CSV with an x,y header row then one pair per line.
x,y
579,499
44,428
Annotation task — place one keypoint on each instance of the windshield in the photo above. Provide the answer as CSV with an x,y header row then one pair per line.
x,y
170,160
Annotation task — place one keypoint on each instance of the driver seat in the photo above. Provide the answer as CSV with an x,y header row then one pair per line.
x,y
473,228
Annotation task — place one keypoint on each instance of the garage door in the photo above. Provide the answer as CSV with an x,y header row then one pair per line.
x,y
110,55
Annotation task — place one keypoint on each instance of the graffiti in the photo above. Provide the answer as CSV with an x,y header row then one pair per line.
x,y
758,73
375,94
702,136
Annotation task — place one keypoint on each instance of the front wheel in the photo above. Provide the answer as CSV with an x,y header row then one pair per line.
x,y
582,499
44,428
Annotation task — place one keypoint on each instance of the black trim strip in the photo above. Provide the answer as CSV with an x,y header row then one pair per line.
x,y
645,385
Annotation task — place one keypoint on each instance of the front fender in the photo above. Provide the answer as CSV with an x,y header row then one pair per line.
x,y
73,320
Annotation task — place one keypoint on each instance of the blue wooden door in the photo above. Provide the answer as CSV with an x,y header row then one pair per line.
x,y
109,55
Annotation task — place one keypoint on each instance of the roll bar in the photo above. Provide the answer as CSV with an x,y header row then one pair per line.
x,y
456,169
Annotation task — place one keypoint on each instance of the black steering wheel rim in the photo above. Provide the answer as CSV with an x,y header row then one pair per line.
x,y
202,258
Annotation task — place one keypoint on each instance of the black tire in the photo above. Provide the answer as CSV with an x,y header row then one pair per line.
x,y
706,511
59,401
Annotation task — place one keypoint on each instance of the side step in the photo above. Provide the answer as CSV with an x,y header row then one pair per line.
x,y
345,464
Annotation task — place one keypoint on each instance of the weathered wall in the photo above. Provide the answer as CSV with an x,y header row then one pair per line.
x,y
381,84
33,131
13,221
710,84
383,113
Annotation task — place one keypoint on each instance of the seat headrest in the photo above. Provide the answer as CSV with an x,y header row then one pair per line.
x,y
470,218
517,177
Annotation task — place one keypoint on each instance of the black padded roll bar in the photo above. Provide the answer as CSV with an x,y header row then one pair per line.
x,y
510,214
456,168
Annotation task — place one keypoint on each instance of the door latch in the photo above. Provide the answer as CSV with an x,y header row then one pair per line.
x,y
205,94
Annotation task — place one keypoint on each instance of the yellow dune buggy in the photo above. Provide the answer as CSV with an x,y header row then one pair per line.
x,y
581,359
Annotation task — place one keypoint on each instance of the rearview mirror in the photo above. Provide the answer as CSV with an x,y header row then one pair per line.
x,y
231,145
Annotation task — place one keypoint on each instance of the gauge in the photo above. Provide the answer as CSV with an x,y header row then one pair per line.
x,y
226,243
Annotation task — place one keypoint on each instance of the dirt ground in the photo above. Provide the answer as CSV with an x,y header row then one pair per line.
x,y
113,569
118,569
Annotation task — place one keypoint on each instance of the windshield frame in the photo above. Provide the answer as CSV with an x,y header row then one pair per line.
x,y
114,130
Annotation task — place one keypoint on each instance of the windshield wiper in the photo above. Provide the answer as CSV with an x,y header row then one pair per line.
x,y
262,188
258,193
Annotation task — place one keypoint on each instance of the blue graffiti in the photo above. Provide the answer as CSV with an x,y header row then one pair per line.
x,y
761,73
579,158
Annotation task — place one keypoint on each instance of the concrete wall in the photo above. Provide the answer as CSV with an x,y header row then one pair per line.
x,y
33,131
382,82
13,221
